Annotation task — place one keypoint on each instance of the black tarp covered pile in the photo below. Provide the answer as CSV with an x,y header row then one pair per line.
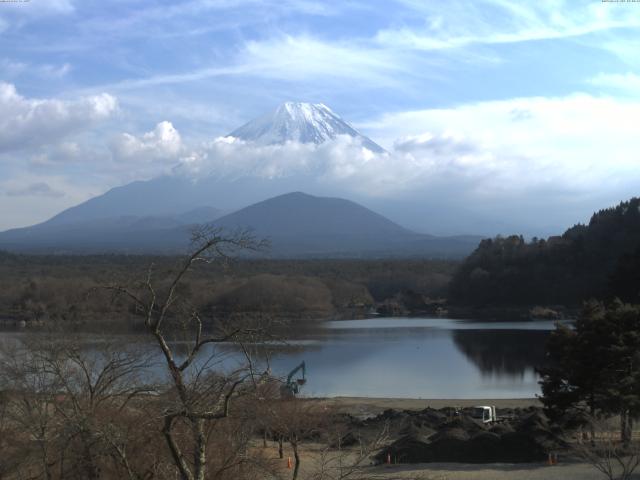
x,y
434,438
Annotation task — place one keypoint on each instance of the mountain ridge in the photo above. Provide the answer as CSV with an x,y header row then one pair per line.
x,y
153,214
299,225
149,198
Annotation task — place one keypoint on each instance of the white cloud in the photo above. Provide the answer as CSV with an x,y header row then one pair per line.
x,y
163,144
300,58
578,141
342,163
530,152
461,23
573,143
28,122
153,20
47,71
624,47
304,57
627,83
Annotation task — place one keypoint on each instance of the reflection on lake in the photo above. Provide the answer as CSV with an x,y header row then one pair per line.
x,y
420,358
394,357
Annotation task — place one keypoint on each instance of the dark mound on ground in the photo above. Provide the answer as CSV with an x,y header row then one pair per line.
x,y
501,428
464,424
485,447
431,417
407,449
462,439
401,423
417,431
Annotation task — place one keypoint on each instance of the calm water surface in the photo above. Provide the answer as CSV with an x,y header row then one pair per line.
x,y
420,358
395,357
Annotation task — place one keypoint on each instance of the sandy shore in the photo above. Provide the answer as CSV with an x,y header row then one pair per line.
x,y
372,406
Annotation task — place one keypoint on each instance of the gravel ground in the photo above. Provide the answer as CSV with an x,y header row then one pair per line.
x,y
458,471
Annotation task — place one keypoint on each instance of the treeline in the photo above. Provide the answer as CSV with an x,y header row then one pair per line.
x,y
592,370
39,289
598,260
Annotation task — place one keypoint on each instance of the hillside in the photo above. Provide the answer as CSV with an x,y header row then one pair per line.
x,y
124,234
598,260
301,225
298,226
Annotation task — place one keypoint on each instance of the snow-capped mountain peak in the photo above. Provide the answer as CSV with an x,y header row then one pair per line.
x,y
300,122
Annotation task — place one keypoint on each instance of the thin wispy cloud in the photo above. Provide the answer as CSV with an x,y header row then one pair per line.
x,y
459,24
294,59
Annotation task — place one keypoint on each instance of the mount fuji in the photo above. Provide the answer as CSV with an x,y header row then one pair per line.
x,y
171,195
300,122
154,215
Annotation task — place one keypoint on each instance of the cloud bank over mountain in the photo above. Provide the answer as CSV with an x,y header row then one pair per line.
x,y
162,144
525,113
491,156
477,161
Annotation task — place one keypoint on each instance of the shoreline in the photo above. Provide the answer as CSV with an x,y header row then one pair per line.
x,y
375,405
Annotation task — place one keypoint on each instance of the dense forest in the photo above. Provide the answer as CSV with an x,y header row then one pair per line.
x,y
44,289
598,260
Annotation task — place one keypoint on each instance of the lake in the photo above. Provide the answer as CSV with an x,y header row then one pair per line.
x,y
419,358
388,357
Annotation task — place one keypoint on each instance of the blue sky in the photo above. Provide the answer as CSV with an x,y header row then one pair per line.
x,y
530,106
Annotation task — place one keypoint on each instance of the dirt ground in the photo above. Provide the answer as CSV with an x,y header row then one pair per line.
x,y
313,456
569,470
456,471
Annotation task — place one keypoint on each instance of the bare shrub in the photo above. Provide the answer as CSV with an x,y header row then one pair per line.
x,y
607,452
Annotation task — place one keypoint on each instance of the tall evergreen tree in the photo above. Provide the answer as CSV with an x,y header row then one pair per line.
x,y
594,368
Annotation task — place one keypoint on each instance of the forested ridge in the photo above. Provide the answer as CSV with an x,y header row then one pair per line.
x,y
41,289
598,260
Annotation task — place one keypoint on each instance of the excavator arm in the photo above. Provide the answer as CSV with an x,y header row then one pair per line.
x,y
292,387
302,367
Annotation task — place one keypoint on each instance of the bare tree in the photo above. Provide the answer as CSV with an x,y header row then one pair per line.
x,y
613,456
294,420
347,455
67,404
28,402
201,393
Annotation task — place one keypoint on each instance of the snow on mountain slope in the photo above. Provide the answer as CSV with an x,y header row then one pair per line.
x,y
300,122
